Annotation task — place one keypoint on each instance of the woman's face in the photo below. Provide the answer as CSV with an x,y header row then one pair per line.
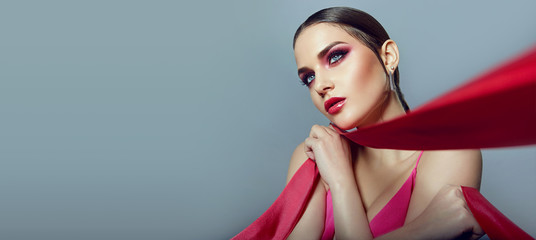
x,y
346,80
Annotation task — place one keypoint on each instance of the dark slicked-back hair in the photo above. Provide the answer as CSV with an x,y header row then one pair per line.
x,y
360,25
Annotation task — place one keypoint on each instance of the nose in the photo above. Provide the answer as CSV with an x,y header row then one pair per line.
x,y
323,85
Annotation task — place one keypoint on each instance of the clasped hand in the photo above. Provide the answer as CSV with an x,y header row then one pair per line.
x,y
332,154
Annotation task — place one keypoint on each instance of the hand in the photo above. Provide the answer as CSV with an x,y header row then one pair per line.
x,y
331,152
448,217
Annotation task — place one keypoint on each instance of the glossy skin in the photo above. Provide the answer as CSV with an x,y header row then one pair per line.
x,y
349,69
362,180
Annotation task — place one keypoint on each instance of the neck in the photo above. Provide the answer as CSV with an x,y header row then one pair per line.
x,y
376,156
386,109
390,109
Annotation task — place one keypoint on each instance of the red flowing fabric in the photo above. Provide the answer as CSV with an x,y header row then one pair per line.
x,y
493,222
497,109
279,220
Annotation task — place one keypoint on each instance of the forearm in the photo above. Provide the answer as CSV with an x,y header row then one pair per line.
x,y
359,229
311,223
350,217
409,231
420,229
445,217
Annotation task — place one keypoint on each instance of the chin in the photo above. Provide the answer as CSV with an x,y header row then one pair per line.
x,y
347,120
345,125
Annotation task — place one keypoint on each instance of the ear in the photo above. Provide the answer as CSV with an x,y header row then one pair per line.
x,y
390,56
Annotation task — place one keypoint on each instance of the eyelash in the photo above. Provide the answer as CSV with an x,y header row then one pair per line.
x,y
338,54
305,81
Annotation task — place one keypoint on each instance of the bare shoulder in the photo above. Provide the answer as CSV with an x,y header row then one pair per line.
x,y
297,160
462,155
439,168
456,167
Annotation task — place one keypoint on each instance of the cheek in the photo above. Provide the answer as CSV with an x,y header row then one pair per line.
x,y
367,70
367,77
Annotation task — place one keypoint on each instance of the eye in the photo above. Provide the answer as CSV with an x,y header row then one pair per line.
x,y
336,56
308,79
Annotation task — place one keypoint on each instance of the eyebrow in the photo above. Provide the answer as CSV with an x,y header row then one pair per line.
x,y
324,51
321,54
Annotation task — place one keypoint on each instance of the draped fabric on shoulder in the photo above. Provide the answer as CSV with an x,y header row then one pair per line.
x,y
497,109
279,220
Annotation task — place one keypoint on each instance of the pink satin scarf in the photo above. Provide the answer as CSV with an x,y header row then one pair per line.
x,y
497,109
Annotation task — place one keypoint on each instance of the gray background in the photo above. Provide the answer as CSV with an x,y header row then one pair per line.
x,y
173,120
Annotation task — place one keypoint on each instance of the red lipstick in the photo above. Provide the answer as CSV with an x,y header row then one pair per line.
x,y
334,104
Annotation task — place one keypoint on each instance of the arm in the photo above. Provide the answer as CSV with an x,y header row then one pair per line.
x,y
332,154
440,168
437,207
311,224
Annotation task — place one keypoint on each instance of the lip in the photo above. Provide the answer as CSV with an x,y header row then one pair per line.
x,y
334,104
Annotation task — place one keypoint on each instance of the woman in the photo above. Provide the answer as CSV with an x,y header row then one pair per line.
x,y
347,61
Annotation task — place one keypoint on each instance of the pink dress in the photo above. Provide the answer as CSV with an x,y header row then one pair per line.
x,y
390,217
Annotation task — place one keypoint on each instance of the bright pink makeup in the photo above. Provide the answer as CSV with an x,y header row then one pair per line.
x,y
336,54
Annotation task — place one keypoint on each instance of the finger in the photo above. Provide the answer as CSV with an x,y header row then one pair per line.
x,y
308,147
459,193
318,131
333,126
310,155
328,130
331,130
315,131
330,126
477,230
471,222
